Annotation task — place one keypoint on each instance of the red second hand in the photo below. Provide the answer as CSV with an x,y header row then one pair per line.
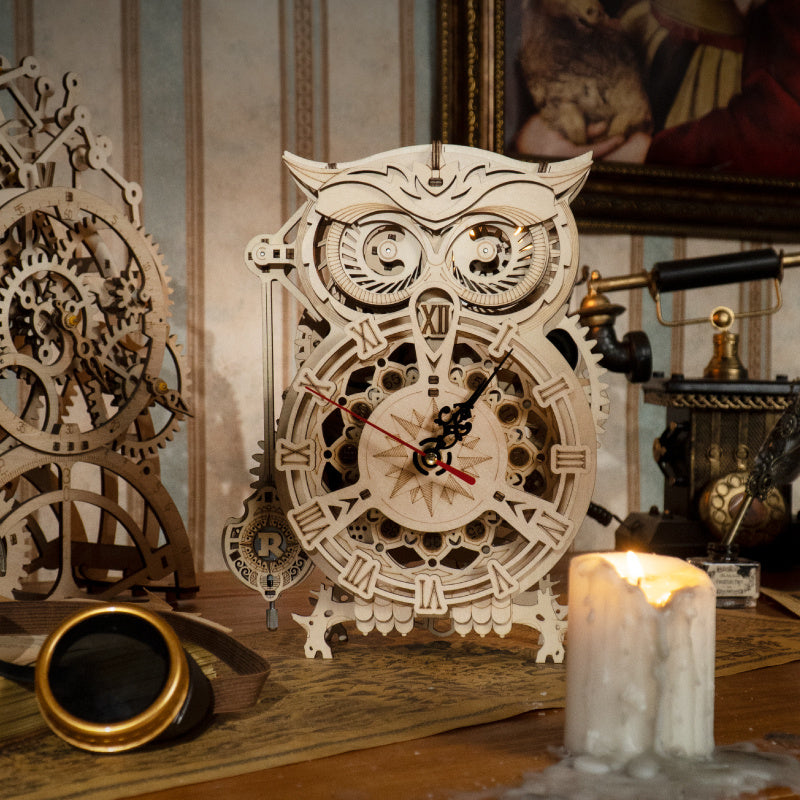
x,y
439,463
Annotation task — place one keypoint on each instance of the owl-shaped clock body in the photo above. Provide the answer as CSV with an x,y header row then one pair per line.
x,y
436,449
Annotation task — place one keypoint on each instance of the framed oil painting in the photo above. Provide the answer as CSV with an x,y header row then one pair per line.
x,y
691,107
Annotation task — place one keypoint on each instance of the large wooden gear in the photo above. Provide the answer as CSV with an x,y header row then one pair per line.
x,y
92,384
436,450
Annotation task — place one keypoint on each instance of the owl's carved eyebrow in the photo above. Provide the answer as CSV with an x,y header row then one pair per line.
x,y
393,168
474,169
366,171
429,229
412,195
384,173
515,173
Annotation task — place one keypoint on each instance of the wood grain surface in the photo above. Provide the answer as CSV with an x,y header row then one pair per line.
x,y
758,706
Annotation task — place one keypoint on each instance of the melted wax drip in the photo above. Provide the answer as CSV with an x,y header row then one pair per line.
x,y
729,773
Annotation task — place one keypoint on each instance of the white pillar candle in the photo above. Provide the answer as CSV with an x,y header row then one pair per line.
x,y
640,657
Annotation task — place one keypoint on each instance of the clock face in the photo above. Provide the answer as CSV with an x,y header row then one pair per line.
x,y
388,503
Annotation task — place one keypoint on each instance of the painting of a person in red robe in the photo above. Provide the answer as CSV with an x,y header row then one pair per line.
x,y
723,82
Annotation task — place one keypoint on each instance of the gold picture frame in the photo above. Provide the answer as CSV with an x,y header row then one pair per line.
x,y
618,197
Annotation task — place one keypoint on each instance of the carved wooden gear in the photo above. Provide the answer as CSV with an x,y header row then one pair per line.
x,y
87,363
62,312
422,269
585,363
123,528
157,425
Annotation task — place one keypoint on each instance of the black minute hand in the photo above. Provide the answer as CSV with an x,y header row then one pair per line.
x,y
467,406
457,423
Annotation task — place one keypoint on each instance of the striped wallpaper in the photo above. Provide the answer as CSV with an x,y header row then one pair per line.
x,y
200,98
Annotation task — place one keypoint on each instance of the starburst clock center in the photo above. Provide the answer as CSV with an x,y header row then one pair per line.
x,y
412,489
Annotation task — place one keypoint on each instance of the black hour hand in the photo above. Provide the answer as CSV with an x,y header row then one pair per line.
x,y
457,423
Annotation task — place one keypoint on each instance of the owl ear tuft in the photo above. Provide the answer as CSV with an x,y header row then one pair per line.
x,y
567,177
310,175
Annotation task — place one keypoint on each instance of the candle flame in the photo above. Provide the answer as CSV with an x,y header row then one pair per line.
x,y
659,578
635,572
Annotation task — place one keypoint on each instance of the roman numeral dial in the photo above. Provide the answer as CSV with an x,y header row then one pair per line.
x,y
386,513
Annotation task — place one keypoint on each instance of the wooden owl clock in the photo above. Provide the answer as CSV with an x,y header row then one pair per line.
x,y
436,451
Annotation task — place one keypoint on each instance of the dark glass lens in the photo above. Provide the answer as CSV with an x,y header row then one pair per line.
x,y
109,668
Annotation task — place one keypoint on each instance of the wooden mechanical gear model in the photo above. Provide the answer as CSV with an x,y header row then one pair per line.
x,y
436,450
92,383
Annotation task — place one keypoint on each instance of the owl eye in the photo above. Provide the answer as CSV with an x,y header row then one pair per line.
x,y
374,263
496,264
489,250
389,250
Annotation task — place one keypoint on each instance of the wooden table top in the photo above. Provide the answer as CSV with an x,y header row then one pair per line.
x,y
760,707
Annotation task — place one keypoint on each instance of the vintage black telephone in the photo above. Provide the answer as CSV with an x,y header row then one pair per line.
x,y
715,424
